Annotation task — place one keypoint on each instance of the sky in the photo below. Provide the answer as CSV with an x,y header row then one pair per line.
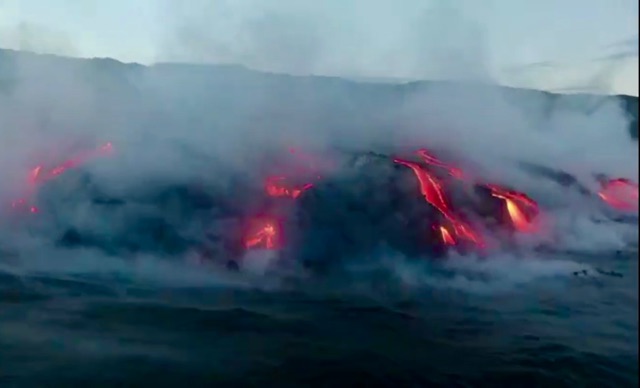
x,y
557,45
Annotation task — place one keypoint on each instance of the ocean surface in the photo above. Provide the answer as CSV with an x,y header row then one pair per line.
x,y
536,321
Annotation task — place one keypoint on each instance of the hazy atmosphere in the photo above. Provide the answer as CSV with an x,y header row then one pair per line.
x,y
513,42
280,206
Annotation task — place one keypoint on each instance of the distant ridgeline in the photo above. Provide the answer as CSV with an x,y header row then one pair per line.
x,y
230,87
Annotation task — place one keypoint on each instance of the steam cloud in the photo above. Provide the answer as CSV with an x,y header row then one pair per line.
x,y
232,115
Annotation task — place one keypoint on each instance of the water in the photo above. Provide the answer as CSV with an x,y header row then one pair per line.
x,y
502,322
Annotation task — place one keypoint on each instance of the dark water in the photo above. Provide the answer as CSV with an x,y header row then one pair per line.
x,y
554,329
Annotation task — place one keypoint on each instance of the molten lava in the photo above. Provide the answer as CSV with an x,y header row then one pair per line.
x,y
265,233
39,174
520,208
434,161
276,186
446,236
303,166
432,191
621,194
262,233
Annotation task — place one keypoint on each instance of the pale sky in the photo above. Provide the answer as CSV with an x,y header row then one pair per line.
x,y
550,44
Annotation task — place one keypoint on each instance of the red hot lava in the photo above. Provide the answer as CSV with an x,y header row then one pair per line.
x,y
263,233
433,161
276,186
520,208
279,185
446,236
433,193
620,193
40,174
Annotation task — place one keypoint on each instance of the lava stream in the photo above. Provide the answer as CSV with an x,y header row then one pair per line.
x,y
433,193
263,233
520,208
276,187
621,194
39,174
432,160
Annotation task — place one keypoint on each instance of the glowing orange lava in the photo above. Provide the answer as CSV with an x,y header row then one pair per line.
x,y
433,193
276,187
446,236
303,166
621,194
263,233
39,174
520,207
432,160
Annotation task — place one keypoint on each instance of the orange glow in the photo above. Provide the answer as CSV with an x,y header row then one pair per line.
x,y
621,194
263,233
520,207
35,173
433,193
39,174
518,204
276,187
303,166
432,160
446,236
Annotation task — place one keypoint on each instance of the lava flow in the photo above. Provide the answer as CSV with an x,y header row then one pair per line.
x,y
621,194
432,191
520,208
446,236
263,233
276,186
433,161
303,166
39,174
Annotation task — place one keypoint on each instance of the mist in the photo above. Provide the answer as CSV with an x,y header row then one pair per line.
x,y
437,40
181,122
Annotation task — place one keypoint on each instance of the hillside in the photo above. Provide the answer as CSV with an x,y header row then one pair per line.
x,y
204,95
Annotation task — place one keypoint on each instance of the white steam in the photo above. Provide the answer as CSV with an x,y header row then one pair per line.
x,y
503,273
167,113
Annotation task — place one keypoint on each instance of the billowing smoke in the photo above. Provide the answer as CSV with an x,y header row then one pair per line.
x,y
439,40
177,123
